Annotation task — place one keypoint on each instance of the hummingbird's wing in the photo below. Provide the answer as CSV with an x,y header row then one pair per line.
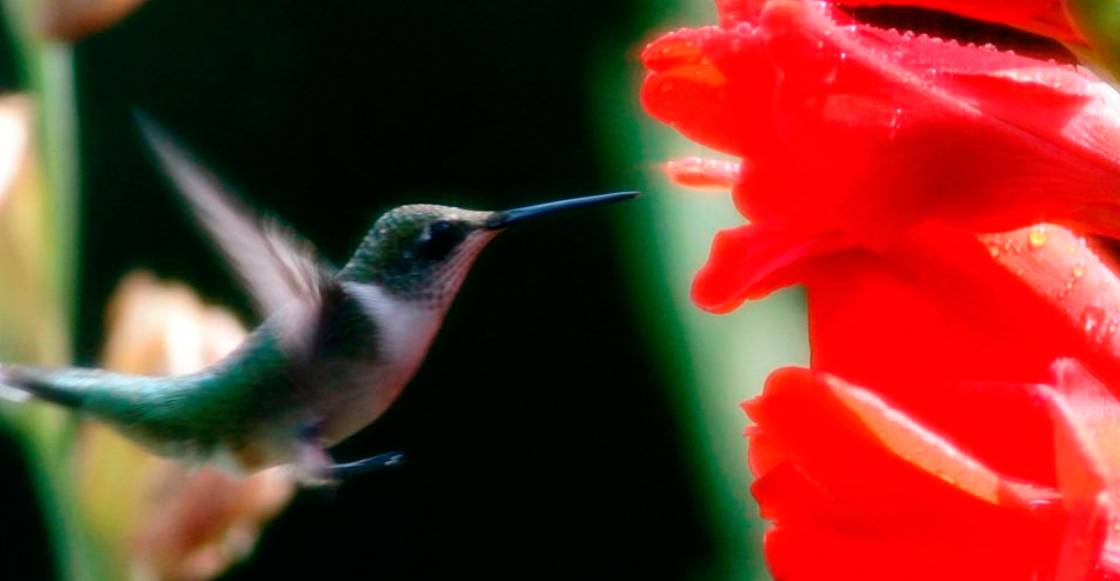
x,y
278,268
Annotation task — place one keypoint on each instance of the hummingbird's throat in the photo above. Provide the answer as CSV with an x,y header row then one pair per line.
x,y
432,286
448,278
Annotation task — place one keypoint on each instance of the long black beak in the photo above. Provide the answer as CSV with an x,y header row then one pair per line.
x,y
503,219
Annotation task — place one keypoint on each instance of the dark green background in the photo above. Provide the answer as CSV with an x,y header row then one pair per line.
x,y
540,437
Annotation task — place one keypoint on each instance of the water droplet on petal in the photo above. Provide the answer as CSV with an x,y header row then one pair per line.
x,y
896,122
1099,327
1089,321
1079,270
1037,237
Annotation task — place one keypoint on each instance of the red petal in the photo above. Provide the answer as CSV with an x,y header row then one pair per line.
x,y
866,132
936,307
732,12
861,448
1061,268
697,172
810,553
710,84
1085,429
871,494
752,261
1045,17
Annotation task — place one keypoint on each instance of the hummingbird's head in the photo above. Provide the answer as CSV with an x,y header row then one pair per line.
x,y
423,252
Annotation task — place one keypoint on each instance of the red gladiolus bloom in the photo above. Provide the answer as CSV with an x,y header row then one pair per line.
x,y
961,417
946,305
862,488
954,421
850,134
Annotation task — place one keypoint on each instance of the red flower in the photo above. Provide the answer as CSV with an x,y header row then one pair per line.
x,y
860,488
961,416
945,305
953,423
851,134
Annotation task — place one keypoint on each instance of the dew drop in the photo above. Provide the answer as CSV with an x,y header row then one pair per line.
x,y
1079,270
1089,321
1039,504
1037,237
896,122
1099,327
994,251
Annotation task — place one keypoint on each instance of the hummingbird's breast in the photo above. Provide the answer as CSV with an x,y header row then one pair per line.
x,y
368,385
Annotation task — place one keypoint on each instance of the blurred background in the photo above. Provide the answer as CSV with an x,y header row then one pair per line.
x,y
576,418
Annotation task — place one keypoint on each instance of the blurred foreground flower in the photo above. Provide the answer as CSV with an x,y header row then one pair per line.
x,y
164,520
960,418
28,310
72,20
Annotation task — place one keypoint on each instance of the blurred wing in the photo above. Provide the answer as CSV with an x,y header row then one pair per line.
x,y
277,267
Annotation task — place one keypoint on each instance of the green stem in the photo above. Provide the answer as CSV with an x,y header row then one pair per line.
x,y
711,364
47,72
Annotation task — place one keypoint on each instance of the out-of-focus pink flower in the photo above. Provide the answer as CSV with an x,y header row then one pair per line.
x,y
72,20
166,520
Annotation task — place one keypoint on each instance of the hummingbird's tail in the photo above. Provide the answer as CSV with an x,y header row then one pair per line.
x,y
19,383
12,393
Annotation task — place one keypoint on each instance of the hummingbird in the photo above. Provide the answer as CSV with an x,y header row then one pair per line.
x,y
334,350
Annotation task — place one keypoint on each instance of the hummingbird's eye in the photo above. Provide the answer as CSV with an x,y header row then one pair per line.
x,y
438,239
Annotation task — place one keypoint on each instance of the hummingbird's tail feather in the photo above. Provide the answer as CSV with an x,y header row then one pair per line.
x,y
13,394
20,383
